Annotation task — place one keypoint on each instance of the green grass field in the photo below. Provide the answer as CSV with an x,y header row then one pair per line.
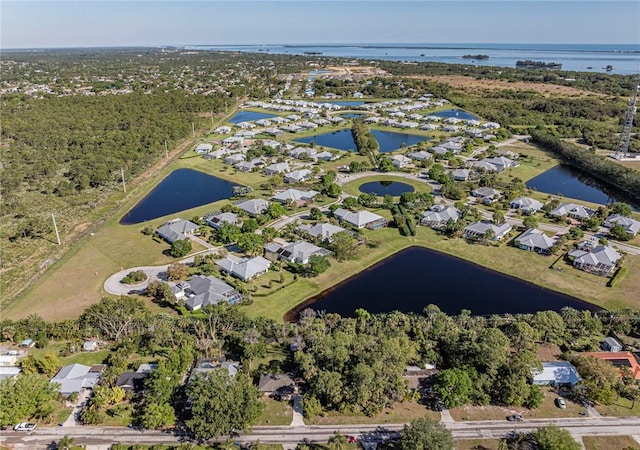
x,y
610,442
400,413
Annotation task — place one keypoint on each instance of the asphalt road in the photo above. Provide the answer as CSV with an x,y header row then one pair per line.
x,y
579,427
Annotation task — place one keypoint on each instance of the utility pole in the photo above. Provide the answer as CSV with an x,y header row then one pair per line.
x,y
55,227
193,129
124,186
166,149
622,149
212,123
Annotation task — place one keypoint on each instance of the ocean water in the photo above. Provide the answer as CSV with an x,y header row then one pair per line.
x,y
625,58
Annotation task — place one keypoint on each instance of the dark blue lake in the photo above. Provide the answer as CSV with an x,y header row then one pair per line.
x,y
390,141
457,113
181,189
248,116
382,188
353,115
416,277
574,183
341,140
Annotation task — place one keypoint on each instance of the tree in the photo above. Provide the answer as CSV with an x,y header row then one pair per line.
x,y
386,165
251,243
387,201
134,277
329,178
618,233
158,415
498,217
116,318
550,326
228,233
315,213
344,246
221,404
535,397
269,234
599,378
65,443
530,222
575,233
250,225
47,364
177,271
407,198
317,265
276,210
454,386
554,438
332,190
426,434
180,248
621,208
350,203
26,396
161,291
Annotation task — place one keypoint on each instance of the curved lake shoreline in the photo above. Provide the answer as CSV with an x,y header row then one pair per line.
x,y
507,294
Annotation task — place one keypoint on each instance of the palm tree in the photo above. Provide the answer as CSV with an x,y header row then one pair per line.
x,y
65,443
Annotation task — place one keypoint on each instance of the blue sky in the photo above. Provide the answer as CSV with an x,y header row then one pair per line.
x,y
36,24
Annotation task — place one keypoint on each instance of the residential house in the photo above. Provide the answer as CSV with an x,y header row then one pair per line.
x,y
204,366
254,206
478,230
555,373
234,159
631,226
297,252
203,148
439,216
291,128
244,268
453,146
611,345
218,218
502,163
27,343
307,125
276,168
245,125
491,125
233,140
418,378
401,161
272,131
460,174
534,240
202,291
263,122
77,378
90,346
601,260
177,230
222,130
9,372
298,176
324,156
439,150
450,129
132,381
420,155
302,152
248,166
8,360
245,134
620,360
321,231
429,127
572,210
486,194
526,205
483,166
361,219
278,385
295,196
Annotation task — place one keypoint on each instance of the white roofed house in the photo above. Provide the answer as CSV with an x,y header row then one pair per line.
x,y
631,226
273,131
487,194
534,240
253,207
451,129
460,174
222,130
420,155
233,140
439,216
234,159
502,163
601,260
320,231
263,122
572,210
556,373
526,205
77,378
177,230
218,219
452,146
202,291
298,252
203,148
361,219
245,125
276,168
298,176
324,156
302,152
244,268
248,166
483,166
401,161
478,231
294,195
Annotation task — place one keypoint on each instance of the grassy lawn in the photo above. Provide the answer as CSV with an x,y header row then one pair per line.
x,y
275,360
536,162
400,413
478,444
609,442
621,407
80,357
548,409
275,412
118,415
353,187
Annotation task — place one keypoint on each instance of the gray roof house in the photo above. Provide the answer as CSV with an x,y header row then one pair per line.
x,y
478,230
534,240
502,163
601,260
631,226
202,291
218,218
132,381
244,268
294,195
483,165
420,155
572,210
297,176
77,377
526,205
400,161
324,156
611,345
322,231
460,174
360,219
274,383
487,194
277,168
234,159
203,148
555,373
254,206
438,216
297,252
176,230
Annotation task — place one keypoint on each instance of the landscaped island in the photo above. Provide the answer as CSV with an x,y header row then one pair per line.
x,y
479,57
529,64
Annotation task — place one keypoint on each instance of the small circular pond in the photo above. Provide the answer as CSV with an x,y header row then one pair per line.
x,y
382,188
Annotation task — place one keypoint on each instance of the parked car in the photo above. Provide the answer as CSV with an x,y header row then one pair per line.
x,y
515,418
25,426
560,403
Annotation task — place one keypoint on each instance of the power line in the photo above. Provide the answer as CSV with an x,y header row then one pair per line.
x,y
622,149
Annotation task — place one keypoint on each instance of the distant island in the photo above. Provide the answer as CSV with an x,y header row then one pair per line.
x,y
313,53
529,64
475,57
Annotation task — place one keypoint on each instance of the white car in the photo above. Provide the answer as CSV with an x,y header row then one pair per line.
x,y
561,403
25,426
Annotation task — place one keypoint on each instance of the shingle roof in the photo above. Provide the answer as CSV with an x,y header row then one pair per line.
x,y
535,239
294,195
321,230
359,218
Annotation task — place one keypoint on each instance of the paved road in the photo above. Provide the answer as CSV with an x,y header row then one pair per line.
x,y
579,427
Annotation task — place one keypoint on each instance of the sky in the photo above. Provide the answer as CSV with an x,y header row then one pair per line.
x,y
90,23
